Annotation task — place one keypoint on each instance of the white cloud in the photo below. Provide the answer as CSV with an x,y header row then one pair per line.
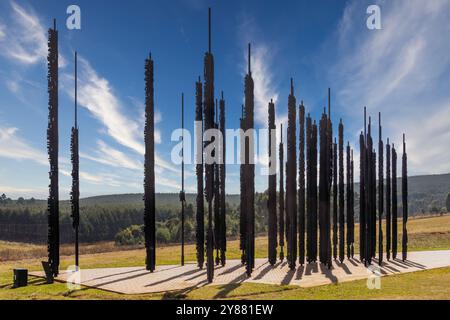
x,y
97,96
15,192
402,71
13,86
14,147
106,154
25,41
264,89
104,179
2,32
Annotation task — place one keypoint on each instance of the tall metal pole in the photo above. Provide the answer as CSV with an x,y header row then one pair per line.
x,y
388,200
291,180
222,177
75,192
250,167
200,214
341,192
272,184
281,194
404,201
301,189
209,168
380,193
335,200
394,201
182,194
149,169
53,151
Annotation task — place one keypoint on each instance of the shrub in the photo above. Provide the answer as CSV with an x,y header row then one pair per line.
x,y
162,235
133,235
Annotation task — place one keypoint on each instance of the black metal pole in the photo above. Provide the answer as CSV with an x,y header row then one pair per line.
x,y
182,194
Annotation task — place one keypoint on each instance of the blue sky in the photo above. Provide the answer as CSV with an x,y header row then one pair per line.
x,y
402,70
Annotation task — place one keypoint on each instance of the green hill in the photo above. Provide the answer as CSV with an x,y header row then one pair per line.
x,y
102,217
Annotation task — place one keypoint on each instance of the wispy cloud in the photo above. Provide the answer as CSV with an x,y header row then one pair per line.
x,y
105,154
2,32
26,38
264,88
24,41
401,71
265,84
14,147
106,179
96,94
15,192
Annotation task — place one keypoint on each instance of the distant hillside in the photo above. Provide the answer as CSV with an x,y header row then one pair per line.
x,y
102,217
136,199
426,192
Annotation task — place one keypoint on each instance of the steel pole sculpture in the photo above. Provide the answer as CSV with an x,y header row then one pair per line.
x,y
311,199
352,207
394,202
52,148
309,236
369,187
149,168
182,194
75,192
373,177
281,195
330,169
301,189
388,200
380,193
324,190
272,183
208,108
222,177
314,191
291,180
373,193
362,196
335,201
217,235
341,193
349,201
200,215
250,167
243,202
404,201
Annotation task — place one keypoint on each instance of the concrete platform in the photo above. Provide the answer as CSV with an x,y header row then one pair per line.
x,y
135,280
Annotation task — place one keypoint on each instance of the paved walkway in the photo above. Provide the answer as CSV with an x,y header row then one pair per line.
x,y
134,280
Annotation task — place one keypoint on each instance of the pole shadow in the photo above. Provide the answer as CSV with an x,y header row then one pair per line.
x,y
344,267
328,273
287,279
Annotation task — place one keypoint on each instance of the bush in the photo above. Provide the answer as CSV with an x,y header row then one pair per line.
x,y
162,235
133,235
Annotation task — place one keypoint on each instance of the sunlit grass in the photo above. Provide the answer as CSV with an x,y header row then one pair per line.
x,y
424,234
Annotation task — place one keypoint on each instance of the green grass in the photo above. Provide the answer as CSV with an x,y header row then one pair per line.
x,y
429,284
424,234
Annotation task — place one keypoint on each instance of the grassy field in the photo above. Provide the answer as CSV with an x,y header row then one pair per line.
x,y
424,234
